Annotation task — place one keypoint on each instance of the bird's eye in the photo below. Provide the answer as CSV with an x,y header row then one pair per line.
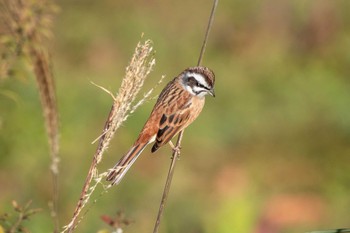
x,y
195,82
200,85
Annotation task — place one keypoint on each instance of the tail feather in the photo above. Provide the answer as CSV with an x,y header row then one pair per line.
x,y
116,174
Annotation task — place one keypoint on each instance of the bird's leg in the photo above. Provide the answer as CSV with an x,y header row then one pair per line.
x,y
176,149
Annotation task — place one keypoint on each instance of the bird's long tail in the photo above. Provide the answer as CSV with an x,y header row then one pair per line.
x,y
117,173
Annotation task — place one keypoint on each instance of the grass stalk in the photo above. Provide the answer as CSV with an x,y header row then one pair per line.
x,y
140,66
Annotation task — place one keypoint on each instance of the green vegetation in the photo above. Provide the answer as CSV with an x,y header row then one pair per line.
x,y
271,151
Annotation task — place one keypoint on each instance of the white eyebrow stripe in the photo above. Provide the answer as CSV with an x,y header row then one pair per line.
x,y
200,78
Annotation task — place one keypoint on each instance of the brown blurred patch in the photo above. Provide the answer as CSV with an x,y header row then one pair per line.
x,y
321,26
231,180
289,211
102,54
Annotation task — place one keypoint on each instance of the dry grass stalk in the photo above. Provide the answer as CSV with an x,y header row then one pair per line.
x,y
45,82
25,26
140,66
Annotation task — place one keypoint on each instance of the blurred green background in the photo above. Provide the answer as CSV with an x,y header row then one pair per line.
x,y
271,153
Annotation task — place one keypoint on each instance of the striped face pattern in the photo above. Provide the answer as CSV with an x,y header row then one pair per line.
x,y
199,81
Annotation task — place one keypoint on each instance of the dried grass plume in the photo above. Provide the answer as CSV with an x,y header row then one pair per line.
x,y
124,104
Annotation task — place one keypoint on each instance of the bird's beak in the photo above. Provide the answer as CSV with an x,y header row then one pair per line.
x,y
211,92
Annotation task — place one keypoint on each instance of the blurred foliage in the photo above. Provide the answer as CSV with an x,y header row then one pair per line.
x,y
117,222
269,154
25,25
14,223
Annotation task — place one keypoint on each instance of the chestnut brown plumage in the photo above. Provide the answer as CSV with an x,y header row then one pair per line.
x,y
178,105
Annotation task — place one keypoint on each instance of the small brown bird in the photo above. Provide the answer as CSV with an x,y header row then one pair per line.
x,y
178,105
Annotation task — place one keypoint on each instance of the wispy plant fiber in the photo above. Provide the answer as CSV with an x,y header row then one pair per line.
x,y
140,66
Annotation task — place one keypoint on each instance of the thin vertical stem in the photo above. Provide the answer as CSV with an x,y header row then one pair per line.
x,y
210,23
168,183
179,139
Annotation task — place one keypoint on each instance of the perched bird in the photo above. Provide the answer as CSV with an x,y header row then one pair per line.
x,y
178,105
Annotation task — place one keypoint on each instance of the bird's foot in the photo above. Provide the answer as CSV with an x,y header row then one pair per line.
x,y
176,150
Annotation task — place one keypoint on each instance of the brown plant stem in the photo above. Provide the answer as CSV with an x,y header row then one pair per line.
x,y
179,139
168,183
44,79
16,225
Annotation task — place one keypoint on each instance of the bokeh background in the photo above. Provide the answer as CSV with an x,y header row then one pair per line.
x,y
271,153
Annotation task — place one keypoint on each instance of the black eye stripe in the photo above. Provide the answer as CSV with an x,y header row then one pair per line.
x,y
194,81
201,85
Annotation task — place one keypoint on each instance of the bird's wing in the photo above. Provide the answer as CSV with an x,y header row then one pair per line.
x,y
174,119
